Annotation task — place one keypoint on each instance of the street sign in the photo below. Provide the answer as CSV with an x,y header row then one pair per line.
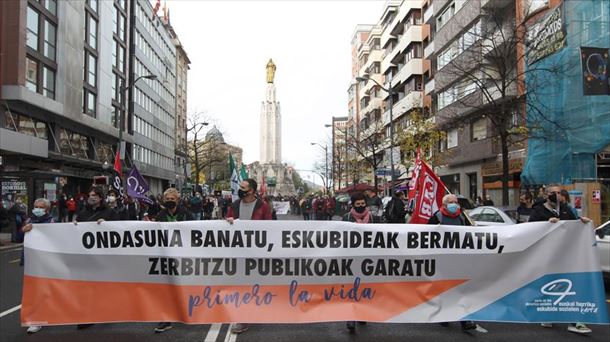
x,y
382,172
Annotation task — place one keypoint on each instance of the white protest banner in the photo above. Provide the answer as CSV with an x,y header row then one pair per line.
x,y
308,271
281,208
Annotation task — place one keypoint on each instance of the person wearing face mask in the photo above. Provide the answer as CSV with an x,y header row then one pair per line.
x,y
451,214
95,211
40,214
247,207
553,210
96,208
359,214
172,212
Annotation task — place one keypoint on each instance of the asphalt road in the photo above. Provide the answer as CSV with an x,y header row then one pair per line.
x,y
10,330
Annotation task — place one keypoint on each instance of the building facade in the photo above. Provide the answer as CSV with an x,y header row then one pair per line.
x,y
388,72
67,84
180,131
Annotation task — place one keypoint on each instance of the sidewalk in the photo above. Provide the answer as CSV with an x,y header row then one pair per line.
x,y
5,241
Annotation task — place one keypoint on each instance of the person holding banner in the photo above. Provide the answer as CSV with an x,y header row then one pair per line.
x,y
553,210
359,214
173,212
450,214
40,214
247,207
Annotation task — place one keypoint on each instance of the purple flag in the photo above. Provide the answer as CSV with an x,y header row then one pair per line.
x,y
137,186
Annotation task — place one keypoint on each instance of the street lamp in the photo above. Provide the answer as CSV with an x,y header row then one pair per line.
x,y
325,147
389,90
346,148
119,114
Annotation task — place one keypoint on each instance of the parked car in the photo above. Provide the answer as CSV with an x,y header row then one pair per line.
x,y
602,236
487,216
465,203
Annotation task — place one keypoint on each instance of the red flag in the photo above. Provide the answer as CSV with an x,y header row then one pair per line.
x,y
117,163
414,175
429,195
263,187
157,6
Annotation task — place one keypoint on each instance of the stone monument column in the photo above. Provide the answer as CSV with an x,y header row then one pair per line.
x,y
271,125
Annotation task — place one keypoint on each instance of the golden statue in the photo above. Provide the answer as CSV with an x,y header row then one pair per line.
x,y
270,71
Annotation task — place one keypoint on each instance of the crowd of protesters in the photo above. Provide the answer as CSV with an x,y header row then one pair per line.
x,y
552,204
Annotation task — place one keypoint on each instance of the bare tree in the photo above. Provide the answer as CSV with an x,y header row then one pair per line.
x,y
201,151
368,148
488,75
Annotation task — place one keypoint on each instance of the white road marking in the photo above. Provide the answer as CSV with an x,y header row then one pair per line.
x,y
230,337
481,329
10,311
14,261
213,333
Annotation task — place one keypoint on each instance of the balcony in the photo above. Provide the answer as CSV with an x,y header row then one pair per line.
x,y
369,84
413,67
428,13
429,50
410,101
429,87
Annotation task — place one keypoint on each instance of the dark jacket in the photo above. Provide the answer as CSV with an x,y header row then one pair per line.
x,y
541,213
262,210
46,218
458,221
395,211
181,214
89,214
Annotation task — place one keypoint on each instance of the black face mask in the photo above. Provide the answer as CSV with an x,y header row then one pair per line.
x,y
359,210
553,197
241,193
170,204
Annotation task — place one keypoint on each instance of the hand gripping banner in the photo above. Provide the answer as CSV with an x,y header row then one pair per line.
x,y
298,271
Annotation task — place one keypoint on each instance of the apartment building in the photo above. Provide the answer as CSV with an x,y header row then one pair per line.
x,y
67,82
390,68
461,38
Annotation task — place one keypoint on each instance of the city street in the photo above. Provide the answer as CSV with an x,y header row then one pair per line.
x,y
10,330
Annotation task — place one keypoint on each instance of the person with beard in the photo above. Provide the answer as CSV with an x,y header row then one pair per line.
x,y
172,212
450,214
248,207
553,210
40,214
96,210
525,206
358,214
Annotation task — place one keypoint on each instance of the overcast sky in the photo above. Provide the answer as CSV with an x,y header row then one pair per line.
x,y
229,44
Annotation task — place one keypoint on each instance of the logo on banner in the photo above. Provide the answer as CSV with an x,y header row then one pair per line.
x,y
427,203
560,288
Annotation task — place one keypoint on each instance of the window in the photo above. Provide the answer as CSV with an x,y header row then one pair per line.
x,y
32,27
92,4
49,40
31,74
479,129
91,31
41,40
73,144
50,5
452,138
25,125
91,67
48,82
